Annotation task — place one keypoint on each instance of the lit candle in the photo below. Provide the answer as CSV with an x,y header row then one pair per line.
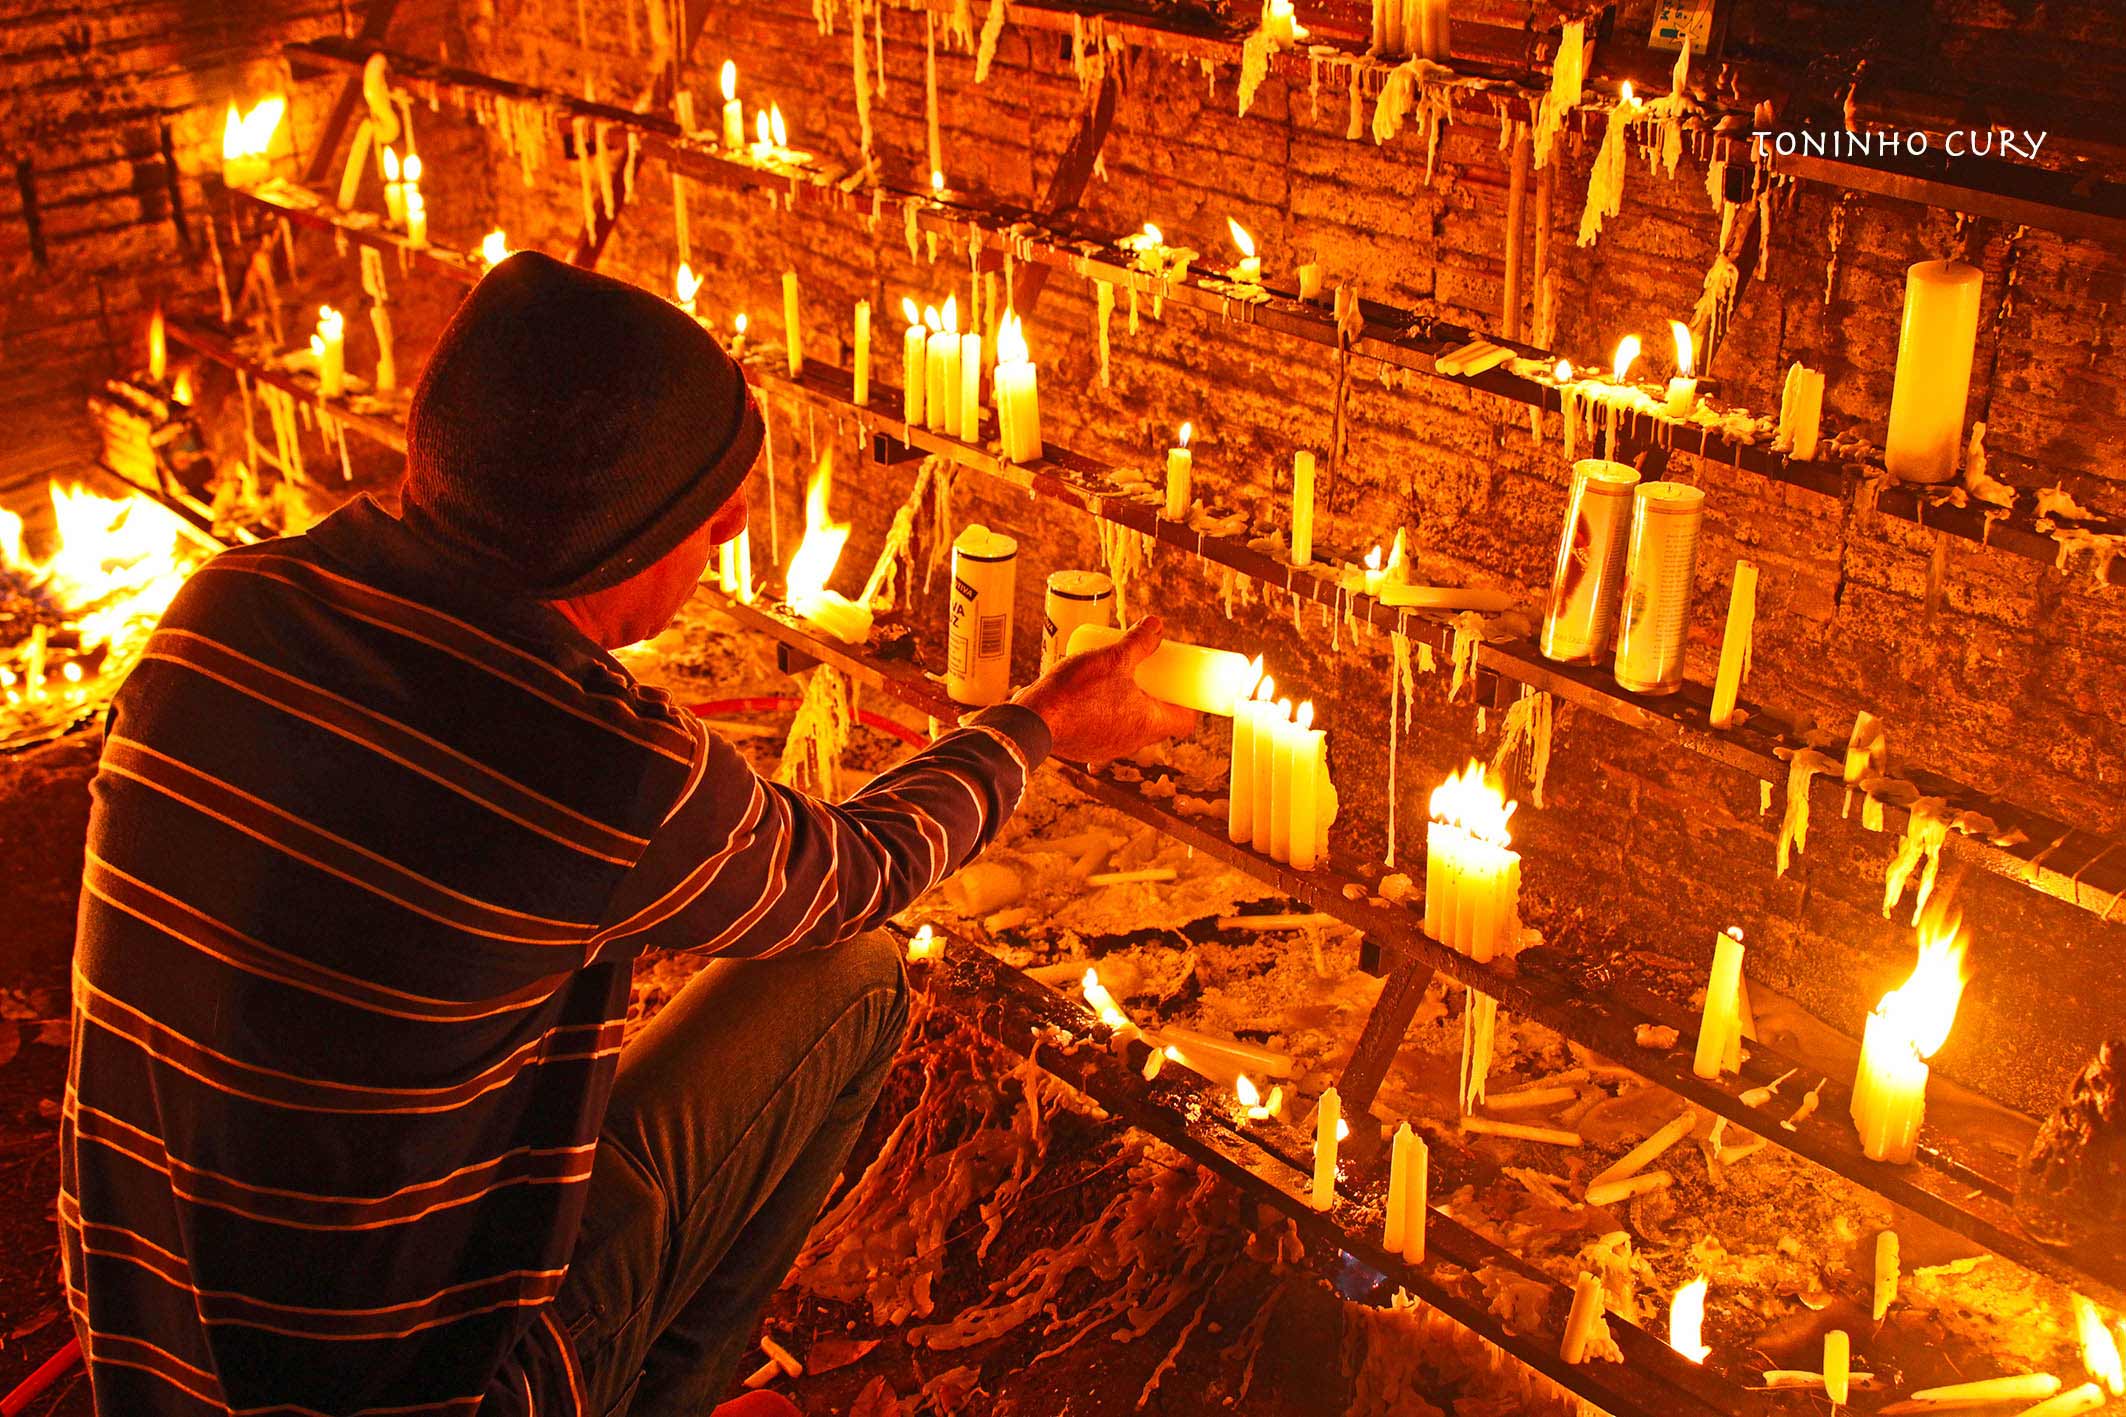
x,y
1018,395
941,405
1180,464
1376,572
1934,353
329,344
1272,715
1280,23
813,565
970,390
1905,1029
1720,1028
494,249
394,189
924,945
1211,681
792,331
1302,508
1249,271
685,286
914,358
1735,644
416,216
247,142
862,392
1327,1118
1472,876
1240,774
734,113
1683,389
1296,787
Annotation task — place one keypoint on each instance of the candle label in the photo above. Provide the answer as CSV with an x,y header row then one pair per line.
x,y
1660,572
985,566
1588,579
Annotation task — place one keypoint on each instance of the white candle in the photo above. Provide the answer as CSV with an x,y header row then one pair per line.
x,y
1248,737
1721,1023
1398,1182
862,392
1211,681
1017,395
734,113
1246,1057
1888,1264
941,405
1472,877
1299,767
914,360
1249,271
1735,644
1837,1366
329,344
1326,1116
1180,464
1302,508
2017,1387
1683,389
394,189
416,218
1310,281
1416,1205
1587,1306
792,332
970,390
1272,716
1934,353
1904,1030
985,566
685,287
2086,1398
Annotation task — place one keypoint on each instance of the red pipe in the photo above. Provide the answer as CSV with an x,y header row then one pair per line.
x,y
33,1386
786,704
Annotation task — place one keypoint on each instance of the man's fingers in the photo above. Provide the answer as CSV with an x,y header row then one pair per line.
x,y
1141,640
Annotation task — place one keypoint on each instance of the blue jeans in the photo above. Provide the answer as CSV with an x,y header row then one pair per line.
x,y
731,1116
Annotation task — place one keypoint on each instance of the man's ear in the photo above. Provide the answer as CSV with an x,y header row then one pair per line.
x,y
729,519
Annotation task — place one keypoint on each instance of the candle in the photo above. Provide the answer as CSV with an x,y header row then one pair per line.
x,y
1310,281
734,113
1397,1220
1686,1321
1735,644
394,189
1660,570
247,141
1017,395
1246,1057
862,393
1588,580
1277,802
1327,1116
1302,508
970,390
1934,353
1837,1366
1683,389
1472,877
2086,1398
914,358
685,286
416,216
792,332
1905,1029
2018,1387
1720,1029
1376,574
1074,598
738,333
1587,1306
1179,468
1271,716
985,572
329,344
1800,412
1207,680
924,945
1249,271
1249,736
1279,23
1301,753
1887,1267
734,567
941,405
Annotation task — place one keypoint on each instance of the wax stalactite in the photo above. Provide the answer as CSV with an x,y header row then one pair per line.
x,y
1905,1029
1180,475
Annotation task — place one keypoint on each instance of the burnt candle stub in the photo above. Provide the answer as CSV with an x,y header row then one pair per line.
x,y
2073,1188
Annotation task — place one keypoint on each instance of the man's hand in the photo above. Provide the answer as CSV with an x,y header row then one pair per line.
x,y
1093,707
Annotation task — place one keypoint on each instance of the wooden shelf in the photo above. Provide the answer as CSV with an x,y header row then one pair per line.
x,y
306,208
1259,1160
1961,1186
1399,337
225,350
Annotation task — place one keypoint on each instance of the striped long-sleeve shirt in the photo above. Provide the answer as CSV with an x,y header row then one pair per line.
x,y
371,851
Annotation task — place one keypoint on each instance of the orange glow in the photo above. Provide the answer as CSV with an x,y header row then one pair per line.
x,y
1468,801
1686,1321
158,347
494,248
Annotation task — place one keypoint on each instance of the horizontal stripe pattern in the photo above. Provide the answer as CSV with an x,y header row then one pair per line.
x,y
370,854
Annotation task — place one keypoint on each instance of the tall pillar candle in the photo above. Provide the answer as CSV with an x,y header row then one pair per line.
x,y
1074,598
1398,1180
1250,736
970,390
1326,1117
1273,718
1935,347
985,568
1417,1186
1660,571
793,332
1017,393
1588,579
941,405
862,385
1295,836
915,354
1302,508
1207,680
1180,476
1722,1019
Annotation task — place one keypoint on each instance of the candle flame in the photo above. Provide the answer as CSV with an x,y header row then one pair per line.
x,y
915,316
251,134
1923,1008
1373,558
738,322
930,317
1011,340
1305,720
821,550
391,164
1563,373
2100,1351
413,167
181,386
776,127
1249,1097
1188,431
685,284
951,315
1395,552
1627,355
1686,1321
494,248
763,135
1684,364
1284,710
937,182
1266,691
1241,239
1468,801
1256,678
1154,235
730,80
1343,1130
1627,91
158,346
330,322
1103,1004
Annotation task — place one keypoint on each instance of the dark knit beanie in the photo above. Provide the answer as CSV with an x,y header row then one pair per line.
x,y
571,429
